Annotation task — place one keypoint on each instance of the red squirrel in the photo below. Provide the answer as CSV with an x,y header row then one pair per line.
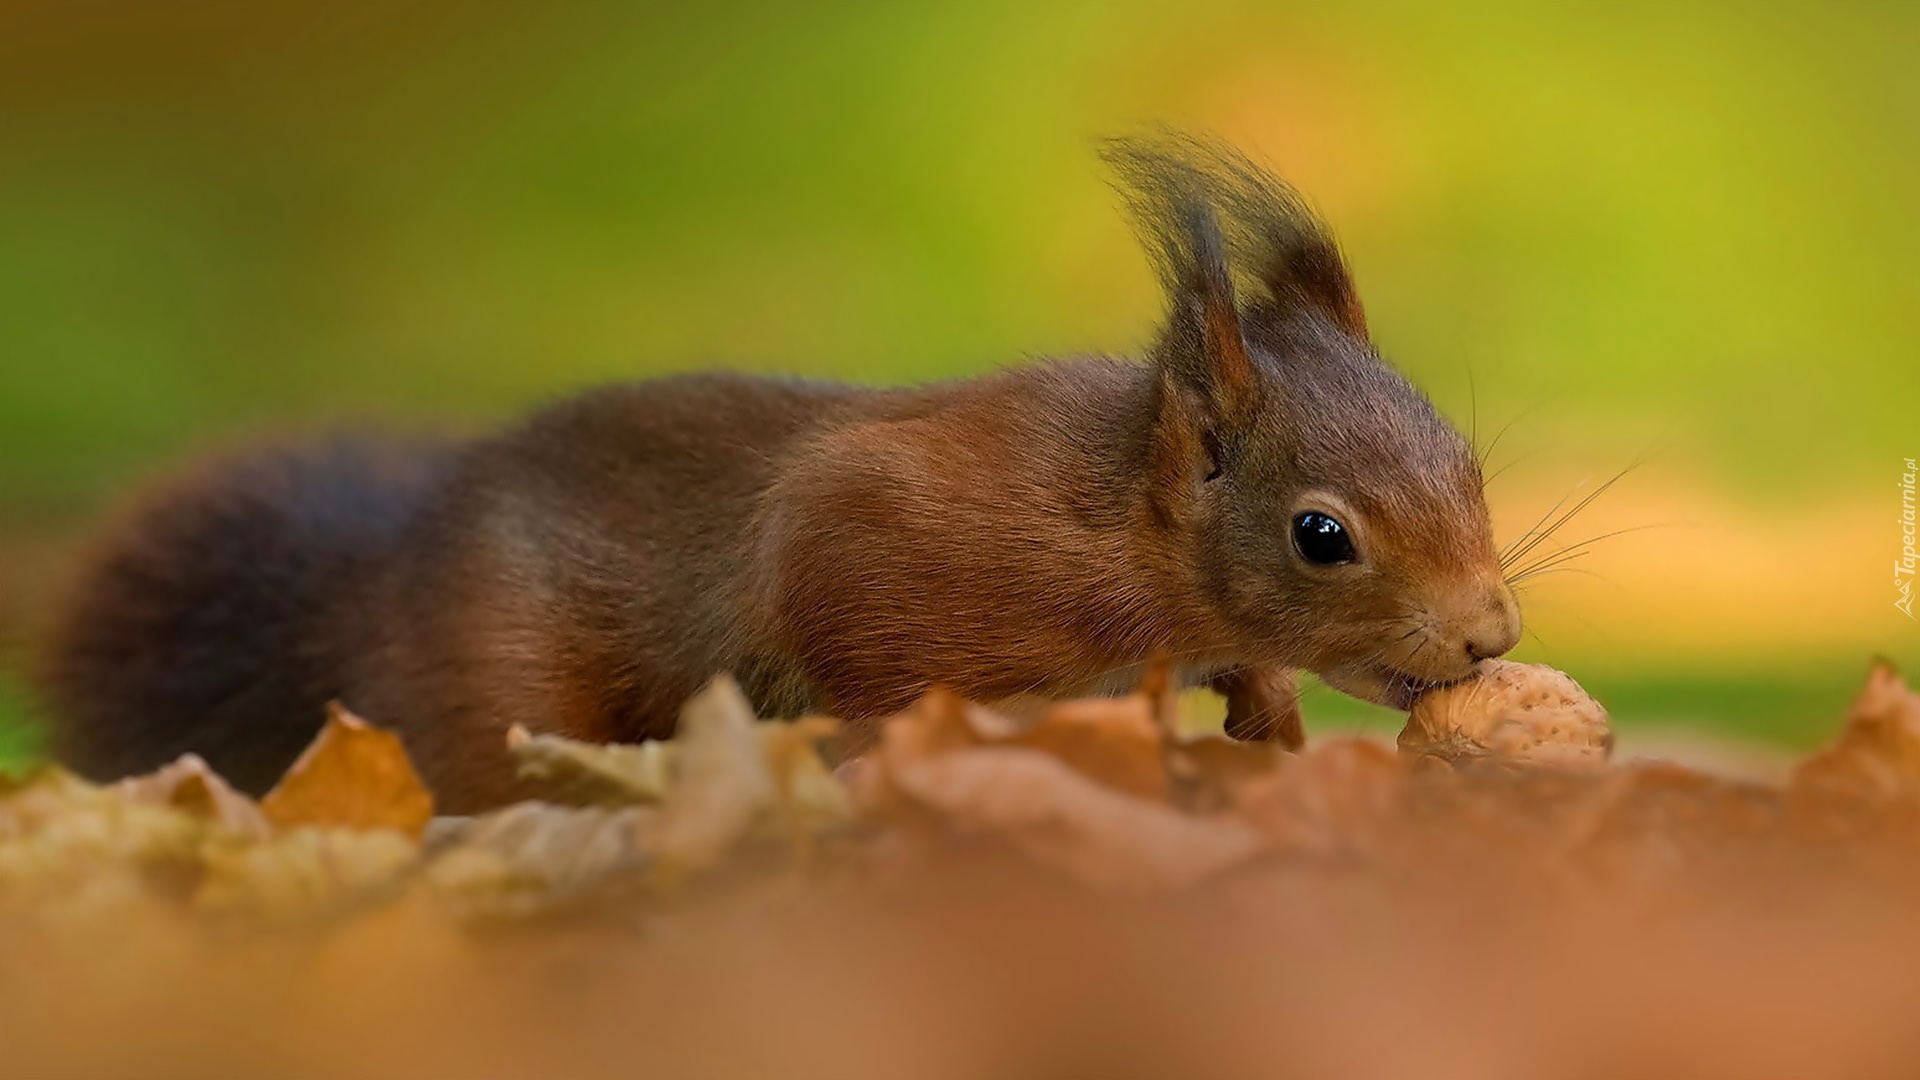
x,y
1261,494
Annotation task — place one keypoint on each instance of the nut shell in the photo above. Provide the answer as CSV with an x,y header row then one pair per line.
x,y
1527,714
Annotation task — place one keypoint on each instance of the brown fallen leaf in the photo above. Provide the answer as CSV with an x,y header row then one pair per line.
x,y
1878,752
1114,741
305,873
1210,771
1335,801
722,782
534,857
811,798
936,724
76,850
43,797
1117,742
352,776
1063,819
940,721
593,773
618,774
190,785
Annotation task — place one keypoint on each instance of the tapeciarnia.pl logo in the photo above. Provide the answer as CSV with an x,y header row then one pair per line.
x,y
1903,566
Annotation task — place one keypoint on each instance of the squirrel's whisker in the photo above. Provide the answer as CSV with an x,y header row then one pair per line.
x,y
1486,454
1572,551
1520,549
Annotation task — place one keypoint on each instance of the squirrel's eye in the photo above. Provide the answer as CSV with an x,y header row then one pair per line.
x,y
1322,540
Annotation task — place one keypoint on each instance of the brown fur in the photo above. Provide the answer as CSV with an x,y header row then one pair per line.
x,y
1043,530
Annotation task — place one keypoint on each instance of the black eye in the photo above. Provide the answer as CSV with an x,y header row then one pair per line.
x,y
1322,540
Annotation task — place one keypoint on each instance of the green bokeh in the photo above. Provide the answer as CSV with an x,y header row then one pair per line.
x,y
1684,229
19,733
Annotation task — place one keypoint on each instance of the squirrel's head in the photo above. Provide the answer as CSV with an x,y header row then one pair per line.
x,y
1335,520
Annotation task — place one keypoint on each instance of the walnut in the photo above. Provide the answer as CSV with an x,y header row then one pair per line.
x,y
1526,714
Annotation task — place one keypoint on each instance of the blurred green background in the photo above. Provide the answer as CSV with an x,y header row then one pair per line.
x,y
1677,234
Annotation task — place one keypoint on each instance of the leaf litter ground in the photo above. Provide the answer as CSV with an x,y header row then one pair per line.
x,y
1088,892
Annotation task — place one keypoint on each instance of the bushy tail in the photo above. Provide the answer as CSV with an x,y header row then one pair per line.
x,y
201,623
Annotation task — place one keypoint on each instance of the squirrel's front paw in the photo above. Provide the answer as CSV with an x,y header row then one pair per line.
x,y
1263,705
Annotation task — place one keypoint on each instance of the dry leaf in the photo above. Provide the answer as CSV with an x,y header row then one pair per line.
x,y
623,774
937,723
1115,741
811,798
191,786
1333,801
353,776
1878,752
940,721
724,776
1118,742
1212,769
1063,819
79,850
305,873
612,774
721,782
387,958
532,857
43,797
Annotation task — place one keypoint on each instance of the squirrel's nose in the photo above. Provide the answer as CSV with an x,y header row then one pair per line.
x,y
1497,630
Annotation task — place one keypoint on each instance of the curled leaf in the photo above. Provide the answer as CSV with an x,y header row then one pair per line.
x,y
85,849
1334,801
1063,819
305,873
810,797
533,857
1114,741
1117,742
1878,752
1211,771
191,786
645,773
352,776
591,773
722,782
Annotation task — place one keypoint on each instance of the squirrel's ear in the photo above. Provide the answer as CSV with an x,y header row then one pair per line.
x,y
1287,246
1258,222
1202,346
1314,274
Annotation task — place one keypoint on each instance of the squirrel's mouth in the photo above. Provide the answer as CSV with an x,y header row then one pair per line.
x,y
1378,683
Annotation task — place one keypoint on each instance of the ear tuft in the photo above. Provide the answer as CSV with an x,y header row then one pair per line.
x,y
1204,208
1174,211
